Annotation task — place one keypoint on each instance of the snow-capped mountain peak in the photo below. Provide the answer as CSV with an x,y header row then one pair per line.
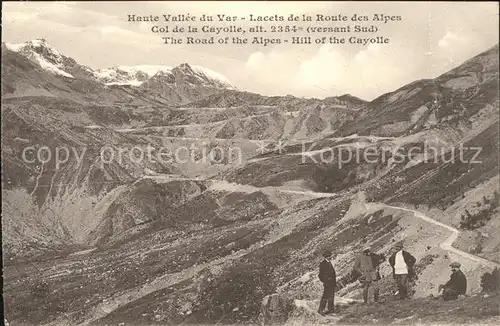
x,y
129,75
40,51
201,75
214,76
49,59
137,75
35,43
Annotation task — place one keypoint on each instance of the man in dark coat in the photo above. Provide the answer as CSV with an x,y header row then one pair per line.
x,y
328,277
457,285
402,263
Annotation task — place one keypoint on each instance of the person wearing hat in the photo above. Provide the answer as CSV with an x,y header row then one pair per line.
x,y
328,277
367,267
402,263
457,285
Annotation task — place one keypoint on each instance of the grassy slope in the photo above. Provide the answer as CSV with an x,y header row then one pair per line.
x,y
468,310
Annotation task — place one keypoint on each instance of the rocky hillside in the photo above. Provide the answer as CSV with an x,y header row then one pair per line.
x,y
54,158
302,118
455,97
146,241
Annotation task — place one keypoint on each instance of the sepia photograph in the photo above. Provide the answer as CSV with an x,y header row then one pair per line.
x,y
250,163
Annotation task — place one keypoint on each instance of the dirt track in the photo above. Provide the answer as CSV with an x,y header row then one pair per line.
x,y
447,244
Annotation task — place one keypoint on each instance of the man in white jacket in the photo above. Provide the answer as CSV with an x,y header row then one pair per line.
x,y
402,263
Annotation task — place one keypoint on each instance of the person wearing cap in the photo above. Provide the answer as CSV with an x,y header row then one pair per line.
x,y
402,263
367,267
457,285
328,277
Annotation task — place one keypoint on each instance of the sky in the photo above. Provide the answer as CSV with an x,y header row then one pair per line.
x,y
430,39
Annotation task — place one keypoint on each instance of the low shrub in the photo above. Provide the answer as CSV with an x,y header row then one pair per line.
x,y
490,282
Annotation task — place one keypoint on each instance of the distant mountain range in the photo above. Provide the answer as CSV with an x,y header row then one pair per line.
x,y
190,80
137,75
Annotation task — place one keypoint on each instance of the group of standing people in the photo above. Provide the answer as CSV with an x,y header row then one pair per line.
x,y
366,270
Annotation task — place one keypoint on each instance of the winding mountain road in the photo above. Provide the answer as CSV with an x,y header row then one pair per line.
x,y
236,187
113,303
445,245
448,243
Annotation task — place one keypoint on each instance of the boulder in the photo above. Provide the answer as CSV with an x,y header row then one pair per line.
x,y
275,309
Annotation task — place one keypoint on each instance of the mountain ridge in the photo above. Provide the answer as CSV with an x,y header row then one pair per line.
x,y
195,80
121,75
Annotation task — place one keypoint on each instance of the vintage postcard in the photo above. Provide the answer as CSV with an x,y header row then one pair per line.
x,y
250,163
